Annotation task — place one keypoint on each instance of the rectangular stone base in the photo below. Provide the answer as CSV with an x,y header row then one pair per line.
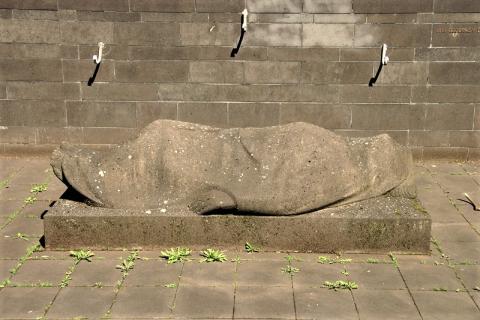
x,y
381,224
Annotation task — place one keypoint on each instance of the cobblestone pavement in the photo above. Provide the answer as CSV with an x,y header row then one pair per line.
x,y
46,284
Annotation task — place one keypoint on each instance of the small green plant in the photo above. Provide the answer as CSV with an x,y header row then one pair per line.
x,y
373,261
327,260
394,259
170,285
80,255
41,187
67,277
213,255
98,285
345,272
5,283
128,264
340,284
418,206
174,255
439,289
4,183
30,199
291,258
290,270
44,285
22,236
251,248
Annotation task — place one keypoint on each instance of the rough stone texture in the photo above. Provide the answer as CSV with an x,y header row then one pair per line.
x,y
375,225
178,164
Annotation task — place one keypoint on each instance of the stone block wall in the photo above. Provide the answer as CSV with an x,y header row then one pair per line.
x,y
300,60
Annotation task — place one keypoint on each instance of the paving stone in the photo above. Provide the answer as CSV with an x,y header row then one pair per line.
x,y
428,277
385,304
314,274
34,271
455,233
7,207
35,210
13,248
375,276
262,256
97,271
462,251
316,303
204,302
33,228
15,192
446,305
91,303
262,273
264,302
208,274
153,273
5,266
142,302
470,275
25,303
438,206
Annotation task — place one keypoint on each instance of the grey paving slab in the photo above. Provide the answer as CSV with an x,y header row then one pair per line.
x,y
461,232
153,273
314,274
138,302
446,305
36,210
430,277
5,266
455,183
11,248
7,207
261,256
34,271
440,208
209,274
91,303
204,302
376,276
462,251
15,192
385,304
262,273
470,276
25,303
43,254
97,271
469,213
264,302
28,226
318,303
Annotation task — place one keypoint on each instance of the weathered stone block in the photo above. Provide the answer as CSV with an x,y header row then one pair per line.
x,y
29,4
214,114
101,114
404,35
328,35
447,54
327,6
449,117
132,33
42,91
429,138
387,116
325,115
32,113
59,135
373,54
282,35
107,135
220,5
404,73
199,34
29,31
275,6
435,153
470,139
86,32
113,52
175,17
454,73
31,69
108,16
151,111
376,94
337,72
94,5
34,15
82,70
392,6
392,18
120,92
339,18
445,94
272,72
216,72
456,6
303,54
17,135
3,91
280,18
151,71
382,225
400,136
253,114
163,5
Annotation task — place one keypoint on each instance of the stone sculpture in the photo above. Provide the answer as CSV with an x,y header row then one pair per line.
x,y
281,170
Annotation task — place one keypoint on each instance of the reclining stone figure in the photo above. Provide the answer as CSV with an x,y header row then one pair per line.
x,y
281,170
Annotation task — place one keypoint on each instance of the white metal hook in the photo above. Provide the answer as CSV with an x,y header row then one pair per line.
x,y
385,58
245,19
98,59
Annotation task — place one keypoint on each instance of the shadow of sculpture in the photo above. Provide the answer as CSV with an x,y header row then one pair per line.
x,y
92,78
239,44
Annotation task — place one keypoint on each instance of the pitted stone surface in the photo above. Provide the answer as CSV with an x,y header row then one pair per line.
x,y
280,170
